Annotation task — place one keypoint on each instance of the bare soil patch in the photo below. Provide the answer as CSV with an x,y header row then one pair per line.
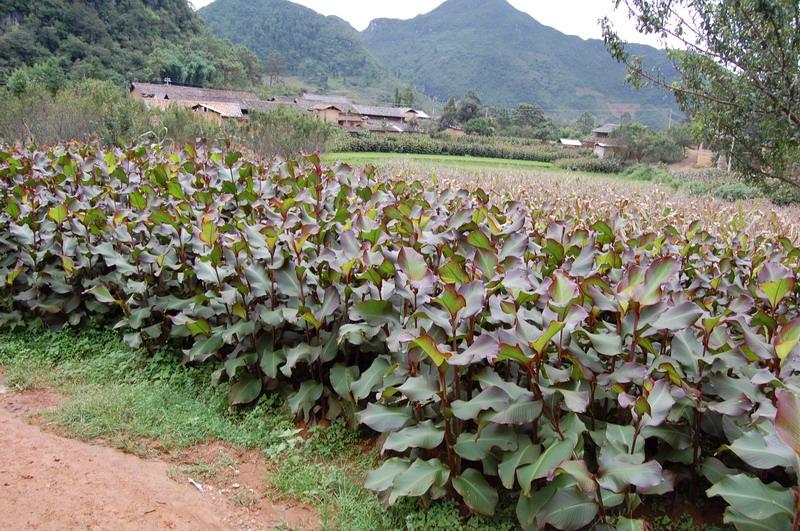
x,y
51,482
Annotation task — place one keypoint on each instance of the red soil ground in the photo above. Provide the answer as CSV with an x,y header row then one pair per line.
x,y
50,482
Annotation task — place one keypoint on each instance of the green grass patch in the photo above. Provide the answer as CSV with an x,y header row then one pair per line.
x,y
451,161
139,402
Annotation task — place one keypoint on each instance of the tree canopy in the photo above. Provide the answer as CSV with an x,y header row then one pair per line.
x,y
739,65
119,40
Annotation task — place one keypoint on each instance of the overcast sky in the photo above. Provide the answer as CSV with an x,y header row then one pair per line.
x,y
573,17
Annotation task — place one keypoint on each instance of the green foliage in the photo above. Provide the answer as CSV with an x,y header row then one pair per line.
x,y
494,147
721,57
590,164
97,109
479,126
115,393
509,351
312,46
116,41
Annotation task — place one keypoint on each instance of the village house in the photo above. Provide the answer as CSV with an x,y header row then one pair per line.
x,y
222,105
603,144
569,143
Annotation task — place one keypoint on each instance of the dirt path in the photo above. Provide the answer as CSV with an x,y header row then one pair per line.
x,y
49,482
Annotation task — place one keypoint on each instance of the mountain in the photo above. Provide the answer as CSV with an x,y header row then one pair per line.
x,y
119,40
507,57
314,47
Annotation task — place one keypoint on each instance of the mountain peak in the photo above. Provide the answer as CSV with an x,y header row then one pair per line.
x,y
507,57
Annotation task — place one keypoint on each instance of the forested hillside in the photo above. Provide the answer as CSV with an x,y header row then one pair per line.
x,y
311,46
118,40
507,57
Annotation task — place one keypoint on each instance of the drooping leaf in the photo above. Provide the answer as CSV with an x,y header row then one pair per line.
x,y
246,390
424,435
752,498
382,419
476,492
305,398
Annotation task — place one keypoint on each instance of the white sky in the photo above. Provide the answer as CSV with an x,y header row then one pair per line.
x,y
573,17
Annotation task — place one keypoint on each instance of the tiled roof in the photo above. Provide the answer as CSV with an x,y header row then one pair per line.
x,y
223,108
606,129
383,112
179,92
321,98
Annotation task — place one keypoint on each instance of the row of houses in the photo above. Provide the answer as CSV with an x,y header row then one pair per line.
x,y
225,105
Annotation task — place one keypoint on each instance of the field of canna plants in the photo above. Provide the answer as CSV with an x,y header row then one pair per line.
x,y
576,348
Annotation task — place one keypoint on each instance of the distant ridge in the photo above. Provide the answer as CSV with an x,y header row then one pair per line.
x,y
508,57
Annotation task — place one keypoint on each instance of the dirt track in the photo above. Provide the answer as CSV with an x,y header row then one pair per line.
x,y
50,482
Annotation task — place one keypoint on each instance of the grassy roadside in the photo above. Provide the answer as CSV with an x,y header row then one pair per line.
x,y
142,403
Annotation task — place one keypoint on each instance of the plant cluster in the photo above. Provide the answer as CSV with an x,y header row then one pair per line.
x,y
590,164
499,148
575,366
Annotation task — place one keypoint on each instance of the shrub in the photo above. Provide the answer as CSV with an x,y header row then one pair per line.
x,y
736,191
571,365
474,146
590,164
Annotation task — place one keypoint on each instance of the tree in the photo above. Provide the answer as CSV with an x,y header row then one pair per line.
x,y
469,107
449,115
527,115
738,65
405,97
275,68
479,126
635,138
585,123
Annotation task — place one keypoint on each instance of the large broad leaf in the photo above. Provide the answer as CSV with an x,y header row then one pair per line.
x,y
419,388
659,272
743,523
491,398
203,349
418,479
787,419
763,451
775,281
752,498
606,344
787,338
678,317
661,401
424,435
526,453
476,447
381,479
305,398
549,459
246,390
370,379
412,264
569,509
476,491
382,419
489,378
342,379
484,348
523,412
375,312
430,347
270,362
621,472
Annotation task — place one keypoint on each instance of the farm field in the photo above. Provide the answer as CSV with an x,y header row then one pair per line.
x,y
480,346
359,159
